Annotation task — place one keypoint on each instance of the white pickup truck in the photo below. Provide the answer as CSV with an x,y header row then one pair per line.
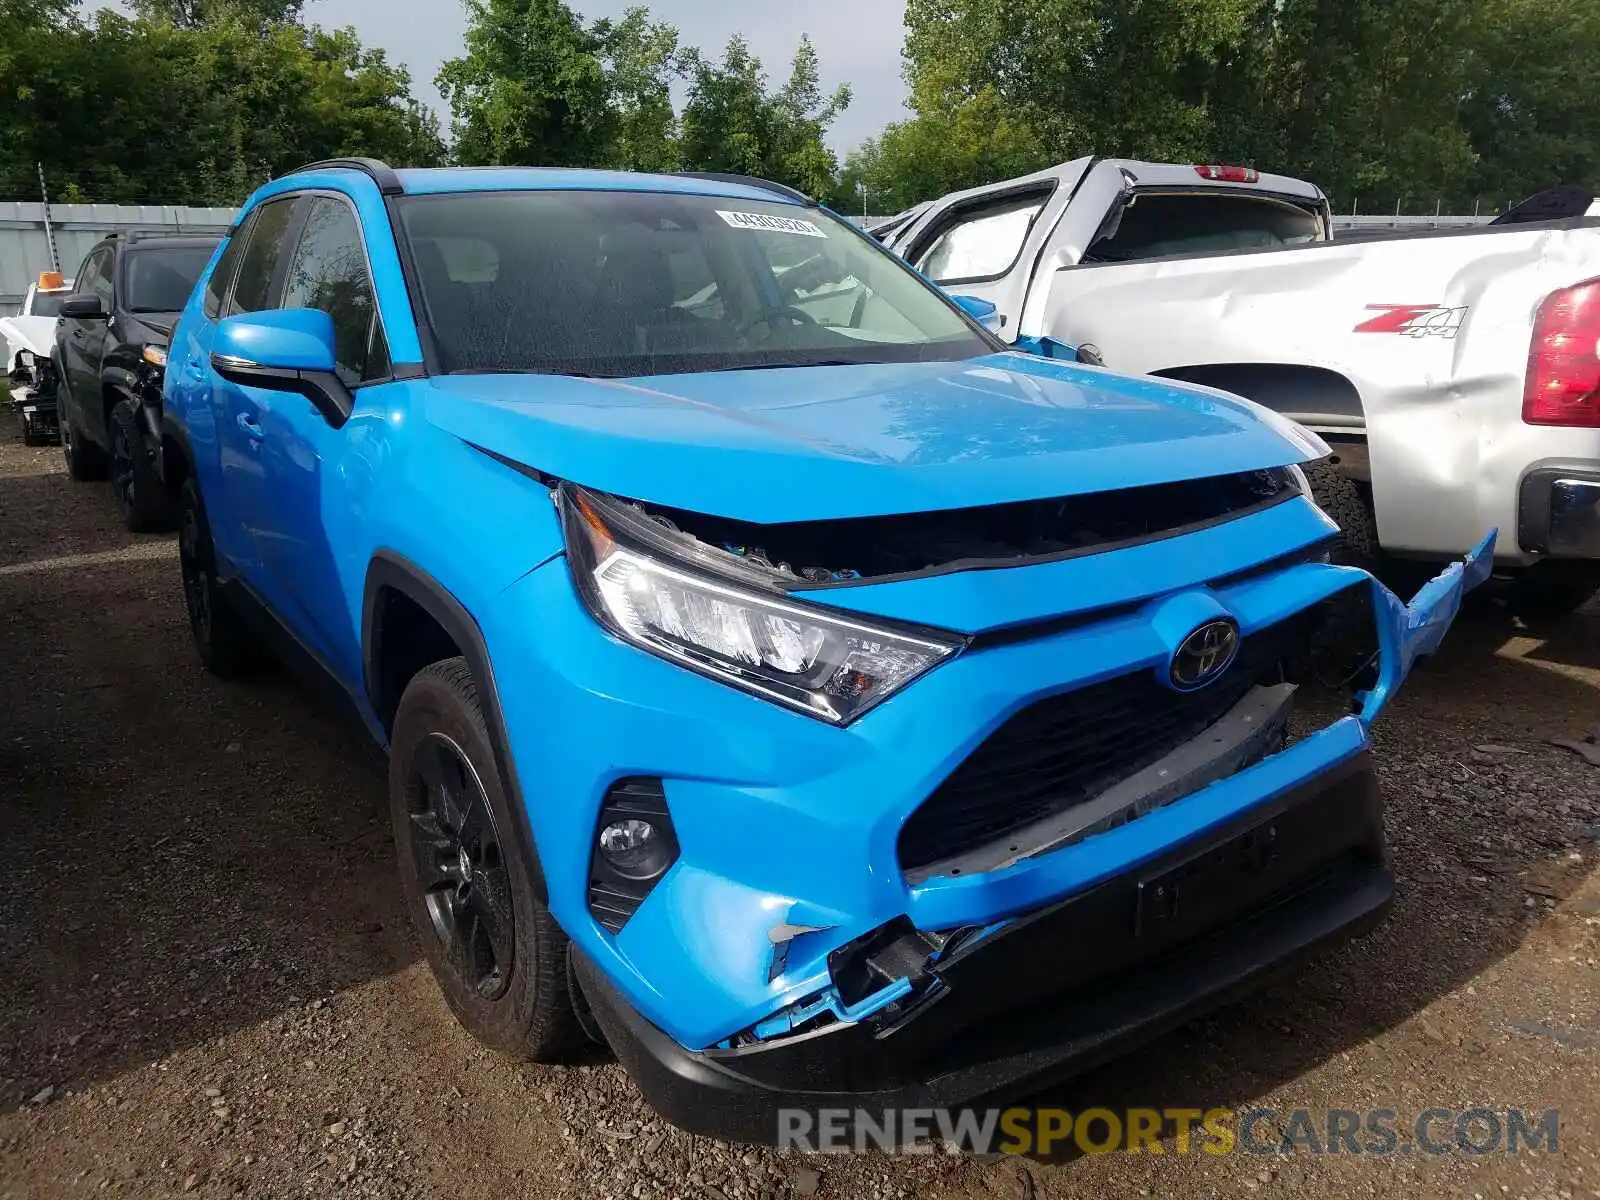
x,y
1455,374
29,337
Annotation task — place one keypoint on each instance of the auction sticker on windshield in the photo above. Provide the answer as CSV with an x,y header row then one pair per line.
x,y
768,224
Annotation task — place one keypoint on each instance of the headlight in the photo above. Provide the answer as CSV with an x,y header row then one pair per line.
x,y
673,596
156,356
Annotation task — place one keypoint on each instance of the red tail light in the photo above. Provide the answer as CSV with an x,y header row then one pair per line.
x,y
1563,386
1227,174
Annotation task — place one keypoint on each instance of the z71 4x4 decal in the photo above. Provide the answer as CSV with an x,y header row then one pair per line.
x,y
1414,320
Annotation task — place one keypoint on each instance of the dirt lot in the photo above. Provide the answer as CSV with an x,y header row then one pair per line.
x,y
207,986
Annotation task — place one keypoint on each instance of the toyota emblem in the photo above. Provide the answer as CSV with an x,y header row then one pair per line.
x,y
1204,655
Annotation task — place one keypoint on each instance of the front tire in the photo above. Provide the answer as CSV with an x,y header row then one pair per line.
x,y
224,642
495,950
135,474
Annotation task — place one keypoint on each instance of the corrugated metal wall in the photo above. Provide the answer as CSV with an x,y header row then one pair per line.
x,y
24,251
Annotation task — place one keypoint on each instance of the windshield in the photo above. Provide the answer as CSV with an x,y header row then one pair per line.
x,y
161,278
646,283
48,304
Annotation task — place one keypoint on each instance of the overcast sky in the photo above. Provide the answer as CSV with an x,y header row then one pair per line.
x,y
857,40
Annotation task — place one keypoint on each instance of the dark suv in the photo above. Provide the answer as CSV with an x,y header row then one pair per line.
x,y
110,356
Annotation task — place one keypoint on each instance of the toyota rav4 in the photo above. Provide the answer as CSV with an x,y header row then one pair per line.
x,y
782,681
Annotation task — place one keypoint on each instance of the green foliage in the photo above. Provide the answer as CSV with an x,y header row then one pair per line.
x,y
1382,102
142,111
531,88
733,123
193,14
641,58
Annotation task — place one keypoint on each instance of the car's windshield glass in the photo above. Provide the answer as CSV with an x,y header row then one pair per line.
x,y
160,279
645,283
47,304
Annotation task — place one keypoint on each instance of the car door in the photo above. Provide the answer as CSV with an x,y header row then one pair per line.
x,y
81,340
302,452
188,386
237,411
987,242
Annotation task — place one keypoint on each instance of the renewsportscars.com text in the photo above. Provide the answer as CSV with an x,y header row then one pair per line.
x,y
1380,1132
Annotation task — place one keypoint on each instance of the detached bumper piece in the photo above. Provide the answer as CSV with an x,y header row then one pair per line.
x,y
1005,1009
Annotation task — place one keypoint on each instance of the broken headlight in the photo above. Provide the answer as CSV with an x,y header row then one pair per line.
x,y
696,606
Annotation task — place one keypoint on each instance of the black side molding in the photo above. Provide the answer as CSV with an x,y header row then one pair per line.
x,y
389,570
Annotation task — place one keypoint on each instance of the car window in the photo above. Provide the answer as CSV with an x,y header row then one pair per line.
x,y
252,290
160,279
221,278
1159,225
645,283
981,240
329,271
95,278
48,304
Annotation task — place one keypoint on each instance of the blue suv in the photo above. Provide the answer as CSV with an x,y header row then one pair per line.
x,y
783,680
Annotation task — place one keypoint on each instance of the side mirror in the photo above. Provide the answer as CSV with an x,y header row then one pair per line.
x,y
83,308
984,312
284,350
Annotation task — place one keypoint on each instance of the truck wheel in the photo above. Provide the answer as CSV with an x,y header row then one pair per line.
x,y
497,953
1348,640
1342,499
135,475
225,643
85,461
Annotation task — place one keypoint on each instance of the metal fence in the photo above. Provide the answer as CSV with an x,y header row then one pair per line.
x,y
26,247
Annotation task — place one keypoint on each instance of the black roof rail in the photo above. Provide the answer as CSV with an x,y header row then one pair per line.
x,y
381,173
754,181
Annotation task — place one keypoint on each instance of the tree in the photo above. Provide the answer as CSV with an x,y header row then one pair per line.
x,y
731,122
641,58
140,111
530,87
192,14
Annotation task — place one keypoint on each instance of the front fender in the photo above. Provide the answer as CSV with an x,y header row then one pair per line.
x,y
1407,632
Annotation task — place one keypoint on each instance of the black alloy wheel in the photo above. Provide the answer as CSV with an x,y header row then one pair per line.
x,y
122,482
461,866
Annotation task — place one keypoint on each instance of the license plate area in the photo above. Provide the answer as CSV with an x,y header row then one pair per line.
x,y
1186,899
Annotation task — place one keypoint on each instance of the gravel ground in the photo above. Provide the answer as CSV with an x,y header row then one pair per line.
x,y
207,986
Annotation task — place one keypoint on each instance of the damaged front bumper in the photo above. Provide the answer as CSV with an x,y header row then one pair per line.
x,y
794,953
37,411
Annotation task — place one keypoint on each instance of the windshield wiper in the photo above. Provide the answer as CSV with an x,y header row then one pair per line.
x,y
526,371
789,366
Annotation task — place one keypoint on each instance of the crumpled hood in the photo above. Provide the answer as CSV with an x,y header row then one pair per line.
x,y
819,443
37,334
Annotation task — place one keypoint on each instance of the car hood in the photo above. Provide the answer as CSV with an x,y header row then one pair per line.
x,y
29,333
817,443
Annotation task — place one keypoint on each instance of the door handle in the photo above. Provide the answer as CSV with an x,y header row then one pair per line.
x,y
248,426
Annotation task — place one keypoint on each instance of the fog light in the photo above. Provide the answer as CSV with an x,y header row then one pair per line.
x,y
634,848
634,844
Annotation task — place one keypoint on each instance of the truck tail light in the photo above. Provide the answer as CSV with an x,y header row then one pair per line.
x,y
1563,383
1227,174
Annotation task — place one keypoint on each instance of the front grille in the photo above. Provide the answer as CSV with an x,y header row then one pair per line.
x,y
1065,750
